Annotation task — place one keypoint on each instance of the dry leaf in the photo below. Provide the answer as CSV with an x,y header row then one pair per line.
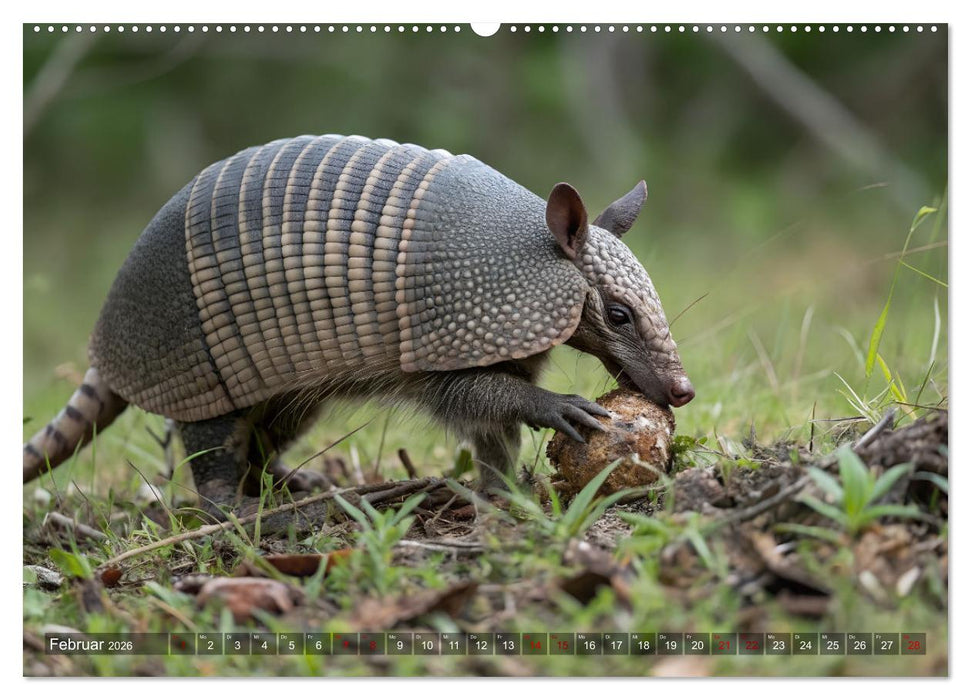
x,y
111,576
300,565
374,613
243,596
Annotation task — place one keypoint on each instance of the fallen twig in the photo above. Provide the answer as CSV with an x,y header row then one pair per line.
x,y
743,514
871,435
402,489
62,522
443,545
294,507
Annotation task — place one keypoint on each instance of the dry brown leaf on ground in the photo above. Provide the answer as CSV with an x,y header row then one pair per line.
x,y
243,596
385,613
290,564
300,565
191,584
466,512
111,576
812,606
887,562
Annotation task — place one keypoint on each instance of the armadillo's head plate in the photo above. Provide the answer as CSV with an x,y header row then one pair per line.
x,y
623,323
610,267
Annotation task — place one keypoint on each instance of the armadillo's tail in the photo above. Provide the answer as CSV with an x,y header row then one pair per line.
x,y
91,409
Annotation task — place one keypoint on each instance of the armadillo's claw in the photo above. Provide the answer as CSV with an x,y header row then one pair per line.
x,y
591,407
564,427
578,415
597,410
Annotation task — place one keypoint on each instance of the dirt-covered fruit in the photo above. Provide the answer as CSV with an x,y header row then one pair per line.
x,y
638,432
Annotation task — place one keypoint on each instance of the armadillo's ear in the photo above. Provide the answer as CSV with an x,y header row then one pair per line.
x,y
620,216
567,219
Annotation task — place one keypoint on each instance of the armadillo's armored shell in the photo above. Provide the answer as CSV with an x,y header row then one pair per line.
x,y
315,258
480,278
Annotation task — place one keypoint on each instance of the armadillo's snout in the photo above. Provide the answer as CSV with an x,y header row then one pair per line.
x,y
680,391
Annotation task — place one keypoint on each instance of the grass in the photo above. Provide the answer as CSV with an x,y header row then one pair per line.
x,y
788,339
374,544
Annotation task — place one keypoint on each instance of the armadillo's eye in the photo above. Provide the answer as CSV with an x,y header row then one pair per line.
x,y
619,315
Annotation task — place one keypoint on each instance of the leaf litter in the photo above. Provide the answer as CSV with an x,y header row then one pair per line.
x,y
747,522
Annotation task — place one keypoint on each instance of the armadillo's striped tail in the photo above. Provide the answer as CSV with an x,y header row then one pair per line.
x,y
93,404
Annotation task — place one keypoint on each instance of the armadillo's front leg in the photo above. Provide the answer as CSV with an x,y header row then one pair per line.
x,y
547,409
217,449
496,452
488,406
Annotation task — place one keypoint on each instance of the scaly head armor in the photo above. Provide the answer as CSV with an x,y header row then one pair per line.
x,y
623,323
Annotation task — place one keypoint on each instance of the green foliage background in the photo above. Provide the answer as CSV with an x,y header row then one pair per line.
x,y
783,168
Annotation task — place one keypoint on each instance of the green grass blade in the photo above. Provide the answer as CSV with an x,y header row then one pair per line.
x,y
701,547
922,214
644,525
408,506
852,398
581,502
600,508
71,563
937,334
936,479
893,510
851,341
895,387
875,335
924,274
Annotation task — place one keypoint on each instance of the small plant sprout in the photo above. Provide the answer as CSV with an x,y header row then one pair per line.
x,y
585,509
380,532
856,493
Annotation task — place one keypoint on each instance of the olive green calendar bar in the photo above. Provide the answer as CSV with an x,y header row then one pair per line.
x,y
491,643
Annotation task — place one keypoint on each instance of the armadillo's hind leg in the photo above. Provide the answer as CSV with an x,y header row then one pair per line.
x,y
265,458
218,450
296,478
279,428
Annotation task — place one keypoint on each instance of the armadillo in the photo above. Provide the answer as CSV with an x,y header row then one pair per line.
x,y
326,266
